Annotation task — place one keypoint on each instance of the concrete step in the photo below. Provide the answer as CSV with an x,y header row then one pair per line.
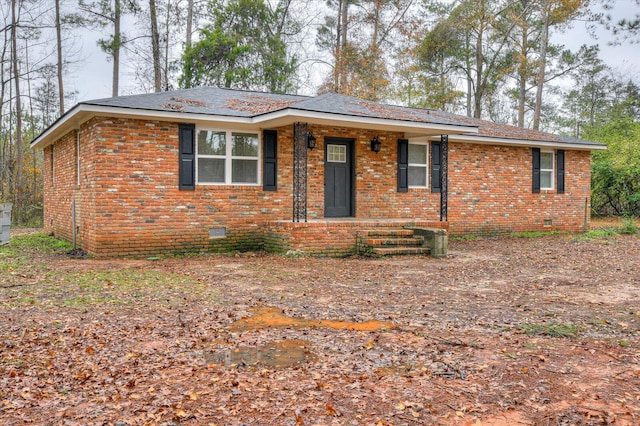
x,y
406,241
398,251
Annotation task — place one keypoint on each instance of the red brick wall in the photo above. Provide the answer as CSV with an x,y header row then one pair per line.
x,y
60,187
490,191
376,180
128,202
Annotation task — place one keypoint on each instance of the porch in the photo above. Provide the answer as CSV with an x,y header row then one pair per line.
x,y
348,236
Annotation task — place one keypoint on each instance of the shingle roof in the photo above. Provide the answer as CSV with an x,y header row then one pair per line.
x,y
495,130
347,105
213,101
204,100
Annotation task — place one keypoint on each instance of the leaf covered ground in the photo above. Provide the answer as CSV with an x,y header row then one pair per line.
x,y
533,331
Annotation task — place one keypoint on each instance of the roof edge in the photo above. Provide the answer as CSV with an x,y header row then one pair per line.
x,y
586,146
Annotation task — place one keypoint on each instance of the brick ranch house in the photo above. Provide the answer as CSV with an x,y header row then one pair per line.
x,y
223,170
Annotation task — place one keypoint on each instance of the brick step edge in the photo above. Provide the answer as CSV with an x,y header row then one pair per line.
x,y
385,233
410,241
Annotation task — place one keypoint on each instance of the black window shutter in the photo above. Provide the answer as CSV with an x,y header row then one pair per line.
x,y
187,155
536,170
560,175
436,163
270,160
403,165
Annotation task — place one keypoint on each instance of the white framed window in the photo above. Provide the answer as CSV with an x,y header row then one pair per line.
x,y
546,169
337,153
227,157
418,164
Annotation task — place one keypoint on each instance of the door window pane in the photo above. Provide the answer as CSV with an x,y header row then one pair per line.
x,y
336,153
212,143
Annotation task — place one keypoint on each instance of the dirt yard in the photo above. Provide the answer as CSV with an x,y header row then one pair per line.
x,y
511,331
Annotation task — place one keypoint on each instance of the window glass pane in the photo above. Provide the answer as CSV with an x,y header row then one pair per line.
x,y
546,160
210,170
244,145
545,180
211,143
336,153
417,154
417,176
244,171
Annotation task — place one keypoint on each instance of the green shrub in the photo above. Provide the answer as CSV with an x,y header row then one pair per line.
x,y
629,226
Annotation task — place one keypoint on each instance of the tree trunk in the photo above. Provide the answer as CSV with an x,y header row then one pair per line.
x,y
187,45
522,76
6,143
373,93
116,48
342,72
544,42
18,132
155,47
189,23
59,46
477,98
166,46
469,81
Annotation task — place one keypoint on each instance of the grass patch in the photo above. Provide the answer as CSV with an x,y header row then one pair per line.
x,y
131,287
40,241
470,237
597,234
551,330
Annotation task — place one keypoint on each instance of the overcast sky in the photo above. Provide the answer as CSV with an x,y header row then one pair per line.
x,y
92,76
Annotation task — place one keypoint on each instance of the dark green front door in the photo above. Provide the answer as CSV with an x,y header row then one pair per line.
x,y
338,178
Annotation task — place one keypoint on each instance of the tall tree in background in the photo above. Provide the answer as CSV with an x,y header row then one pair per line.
x,y
476,36
187,45
243,48
102,13
58,25
18,191
361,42
553,13
537,61
155,46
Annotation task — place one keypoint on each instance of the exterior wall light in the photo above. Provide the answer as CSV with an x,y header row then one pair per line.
x,y
311,140
375,144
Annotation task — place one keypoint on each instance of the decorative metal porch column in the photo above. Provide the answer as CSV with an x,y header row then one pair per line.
x,y
300,132
444,180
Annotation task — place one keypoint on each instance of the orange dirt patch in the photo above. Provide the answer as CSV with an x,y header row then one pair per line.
x,y
269,317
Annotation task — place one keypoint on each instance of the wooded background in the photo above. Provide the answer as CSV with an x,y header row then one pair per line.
x,y
499,60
